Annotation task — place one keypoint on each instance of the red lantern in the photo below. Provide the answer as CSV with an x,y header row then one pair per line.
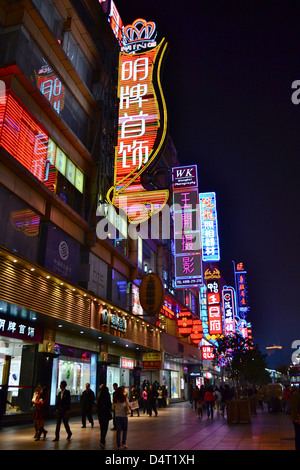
x,y
197,331
185,323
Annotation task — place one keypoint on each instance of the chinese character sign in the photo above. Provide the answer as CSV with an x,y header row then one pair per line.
x,y
188,262
209,227
229,309
142,130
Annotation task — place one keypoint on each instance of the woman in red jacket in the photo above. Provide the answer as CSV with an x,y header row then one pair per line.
x,y
210,401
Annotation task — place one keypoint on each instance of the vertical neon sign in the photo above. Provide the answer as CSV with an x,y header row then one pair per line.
x,y
209,227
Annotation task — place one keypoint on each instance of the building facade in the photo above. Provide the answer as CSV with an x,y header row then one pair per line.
x,y
69,304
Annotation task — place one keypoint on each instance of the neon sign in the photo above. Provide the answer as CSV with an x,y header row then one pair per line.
x,y
139,35
188,262
142,132
114,18
229,309
209,227
23,137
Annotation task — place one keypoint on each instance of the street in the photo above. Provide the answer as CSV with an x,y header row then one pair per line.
x,y
176,428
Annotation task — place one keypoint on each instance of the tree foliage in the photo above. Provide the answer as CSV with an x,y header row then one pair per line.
x,y
242,360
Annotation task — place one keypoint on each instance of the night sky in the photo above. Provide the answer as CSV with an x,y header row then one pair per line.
x,y
227,82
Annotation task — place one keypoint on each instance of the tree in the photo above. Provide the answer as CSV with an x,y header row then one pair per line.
x,y
242,360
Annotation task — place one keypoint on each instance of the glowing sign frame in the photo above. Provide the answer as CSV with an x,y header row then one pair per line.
x,y
209,227
144,117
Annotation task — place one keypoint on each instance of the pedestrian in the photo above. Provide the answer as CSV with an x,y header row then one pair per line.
x,y
160,397
145,400
62,408
260,397
190,392
40,400
152,396
195,396
3,401
210,402
164,395
295,415
121,408
104,412
134,402
218,399
287,399
115,387
200,407
86,404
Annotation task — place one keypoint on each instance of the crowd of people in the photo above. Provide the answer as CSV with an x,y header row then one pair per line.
x,y
148,399
209,399
117,408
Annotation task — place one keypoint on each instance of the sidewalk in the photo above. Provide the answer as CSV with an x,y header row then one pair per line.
x,y
176,428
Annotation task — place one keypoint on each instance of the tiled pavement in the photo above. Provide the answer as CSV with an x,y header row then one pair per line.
x,y
176,428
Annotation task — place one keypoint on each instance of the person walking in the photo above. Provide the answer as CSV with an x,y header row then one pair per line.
x,y
62,408
210,402
164,395
152,396
160,397
40,401
121,408
86,404
195,396
134,402
103,405
145,400
218,398
295,415
115,387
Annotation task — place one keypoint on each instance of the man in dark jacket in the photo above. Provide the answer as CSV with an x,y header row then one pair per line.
x,y
62,407
86,404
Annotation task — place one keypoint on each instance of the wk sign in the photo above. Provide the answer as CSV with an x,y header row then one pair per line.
x,y
142,125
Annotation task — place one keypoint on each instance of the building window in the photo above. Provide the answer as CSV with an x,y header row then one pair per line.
x,y
77,57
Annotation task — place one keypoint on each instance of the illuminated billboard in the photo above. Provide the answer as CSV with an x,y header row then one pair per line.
x,y
209,227
142,129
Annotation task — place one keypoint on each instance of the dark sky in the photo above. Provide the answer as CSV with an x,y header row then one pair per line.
x,y
227,83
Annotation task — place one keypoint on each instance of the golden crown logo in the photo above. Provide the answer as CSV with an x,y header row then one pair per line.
x,y
141,34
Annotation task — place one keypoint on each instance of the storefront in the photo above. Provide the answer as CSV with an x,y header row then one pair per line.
x,y
19,340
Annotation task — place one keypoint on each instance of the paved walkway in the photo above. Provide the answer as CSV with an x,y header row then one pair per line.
x,y
176,428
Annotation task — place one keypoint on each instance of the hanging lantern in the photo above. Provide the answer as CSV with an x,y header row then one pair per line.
x,y
197,331
185,323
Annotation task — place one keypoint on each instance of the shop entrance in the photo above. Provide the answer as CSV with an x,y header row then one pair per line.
x,y
17,361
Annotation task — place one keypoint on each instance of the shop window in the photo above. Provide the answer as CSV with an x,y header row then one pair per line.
x,y
77,367
149,259
69,194
17,360
119,288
